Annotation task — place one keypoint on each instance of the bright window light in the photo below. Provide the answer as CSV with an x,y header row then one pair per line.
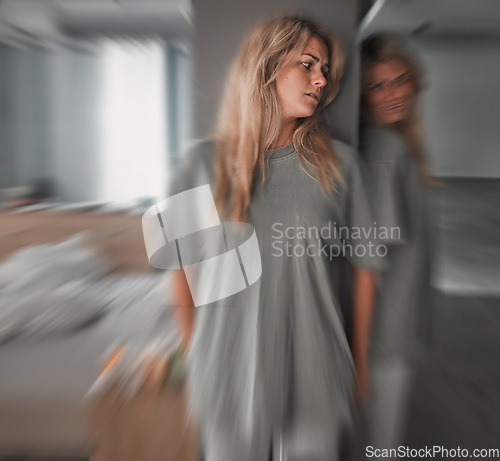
x,y
133,123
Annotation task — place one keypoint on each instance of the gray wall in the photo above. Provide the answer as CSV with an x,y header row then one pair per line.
x,y
8,167
49,119
220,27
179,73
461,106
74,116
24,139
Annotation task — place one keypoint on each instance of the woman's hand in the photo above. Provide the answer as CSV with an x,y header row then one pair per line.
x,y
363,299
362,382
184,307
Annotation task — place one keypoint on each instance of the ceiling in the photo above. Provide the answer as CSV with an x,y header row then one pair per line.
x,y
55,20
446,18
39,21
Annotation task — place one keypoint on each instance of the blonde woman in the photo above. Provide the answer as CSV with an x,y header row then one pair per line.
x,y
391,144
270,368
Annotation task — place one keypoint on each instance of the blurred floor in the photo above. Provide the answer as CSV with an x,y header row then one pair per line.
x,y
466,223
456,399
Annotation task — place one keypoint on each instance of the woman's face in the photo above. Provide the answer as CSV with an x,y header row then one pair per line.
x,y
301,82
389,91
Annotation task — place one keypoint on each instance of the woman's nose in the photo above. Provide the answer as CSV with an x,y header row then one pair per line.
x,y
394,91
319,79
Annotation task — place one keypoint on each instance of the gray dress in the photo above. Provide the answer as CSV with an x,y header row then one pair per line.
x,y
275,357
401,323
399,202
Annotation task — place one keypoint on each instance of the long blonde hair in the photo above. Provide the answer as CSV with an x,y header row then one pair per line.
x,y
250,119
380,48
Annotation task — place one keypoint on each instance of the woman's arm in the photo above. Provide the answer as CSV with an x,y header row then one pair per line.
x,y
184,307
363,300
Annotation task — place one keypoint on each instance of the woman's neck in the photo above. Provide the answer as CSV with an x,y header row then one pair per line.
x,y
286,135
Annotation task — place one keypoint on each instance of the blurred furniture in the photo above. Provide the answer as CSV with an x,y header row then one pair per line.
x,y
43,380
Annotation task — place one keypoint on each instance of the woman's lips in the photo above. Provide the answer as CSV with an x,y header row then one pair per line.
x,y
394,106
313,96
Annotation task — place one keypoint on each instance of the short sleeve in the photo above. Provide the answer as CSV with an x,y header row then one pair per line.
x,y
187,217
386,160
359,233
195,169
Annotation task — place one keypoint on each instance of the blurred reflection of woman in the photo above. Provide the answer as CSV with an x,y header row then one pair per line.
x,y
391,145
270,366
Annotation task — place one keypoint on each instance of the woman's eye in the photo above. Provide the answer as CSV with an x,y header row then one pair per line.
x,y
307,65
402,80
375,88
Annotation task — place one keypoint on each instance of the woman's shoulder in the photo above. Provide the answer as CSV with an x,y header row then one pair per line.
x,y
195,167
199,150
382,145
347,155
